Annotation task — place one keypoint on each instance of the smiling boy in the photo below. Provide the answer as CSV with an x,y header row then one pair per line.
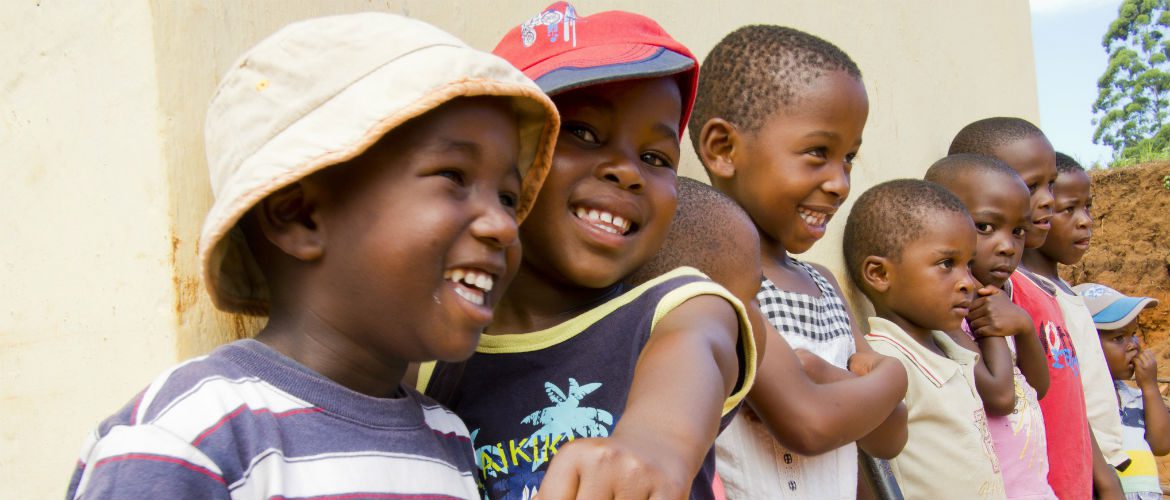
x,y
360,164
584,387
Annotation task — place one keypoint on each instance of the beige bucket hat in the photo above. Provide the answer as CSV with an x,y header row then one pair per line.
x,y
320,92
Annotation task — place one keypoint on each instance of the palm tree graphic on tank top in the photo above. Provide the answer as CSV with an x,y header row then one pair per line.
x,y
566,418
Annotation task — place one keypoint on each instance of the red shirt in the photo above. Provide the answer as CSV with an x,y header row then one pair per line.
x,y
1070,461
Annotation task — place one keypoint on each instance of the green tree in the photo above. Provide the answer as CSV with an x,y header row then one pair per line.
x,y
1133,97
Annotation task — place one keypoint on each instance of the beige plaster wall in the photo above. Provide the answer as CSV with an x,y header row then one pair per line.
x,y
101,109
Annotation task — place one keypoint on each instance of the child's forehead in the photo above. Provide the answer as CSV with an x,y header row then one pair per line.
x,y
990,189
656,99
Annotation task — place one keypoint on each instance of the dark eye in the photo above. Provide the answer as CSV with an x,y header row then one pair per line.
x,y
583,133
983,228
947,263
849,158
817,152
509,199
455,176
1019,232
1032,187
657,160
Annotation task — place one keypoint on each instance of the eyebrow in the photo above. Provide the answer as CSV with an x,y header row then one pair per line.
x,y
948,252
445,145
667,131
989,214
828,135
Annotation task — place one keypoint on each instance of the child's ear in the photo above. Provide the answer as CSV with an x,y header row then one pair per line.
x,y
875,273
289,219
718,141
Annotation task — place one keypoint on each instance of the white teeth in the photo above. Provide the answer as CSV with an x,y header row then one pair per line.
x,y
475,297
605,221
478,281
812,218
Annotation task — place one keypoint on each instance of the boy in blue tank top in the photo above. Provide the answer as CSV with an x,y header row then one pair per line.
x,y
584,386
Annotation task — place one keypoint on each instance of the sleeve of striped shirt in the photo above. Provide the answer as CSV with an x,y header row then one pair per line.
x,y
144,461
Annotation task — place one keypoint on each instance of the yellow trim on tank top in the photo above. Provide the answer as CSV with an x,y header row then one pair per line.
x,y
534,341
543,339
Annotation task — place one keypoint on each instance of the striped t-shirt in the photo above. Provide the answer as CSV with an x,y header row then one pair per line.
x,y
246,422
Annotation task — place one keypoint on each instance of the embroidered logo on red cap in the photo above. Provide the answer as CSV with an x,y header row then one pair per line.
x,y
551,19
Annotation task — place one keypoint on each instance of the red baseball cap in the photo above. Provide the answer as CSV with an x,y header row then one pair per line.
x,y
562,52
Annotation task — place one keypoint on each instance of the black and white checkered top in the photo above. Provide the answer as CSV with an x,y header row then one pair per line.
x,y
818,324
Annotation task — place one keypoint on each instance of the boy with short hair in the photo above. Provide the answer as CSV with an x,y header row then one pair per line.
x,y
1012,368
777,123
359,163
574,354
1146,423
1066,244
1076,466
908,244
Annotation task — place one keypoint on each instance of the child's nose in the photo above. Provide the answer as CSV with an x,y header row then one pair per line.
x,y
838,182
1005,247
1084,219
1044,197
496,226
623,171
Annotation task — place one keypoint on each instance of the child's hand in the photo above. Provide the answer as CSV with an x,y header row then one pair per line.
x,y
863,362
613,468
994,315
1145,369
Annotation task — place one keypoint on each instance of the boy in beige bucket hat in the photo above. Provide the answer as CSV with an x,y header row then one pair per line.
x,y
369,173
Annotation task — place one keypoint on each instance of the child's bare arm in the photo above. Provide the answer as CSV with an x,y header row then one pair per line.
x,y
1032,360
888,439
809,418
992,318
1145,371
684,375
1106,483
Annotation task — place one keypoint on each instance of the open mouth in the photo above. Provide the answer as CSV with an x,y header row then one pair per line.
x,y
1042,223
814,218
473,285
604,220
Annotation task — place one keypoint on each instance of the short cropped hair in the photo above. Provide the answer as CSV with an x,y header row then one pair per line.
x,y
757,69
949,169
985,136
890,215
710,232
1066,164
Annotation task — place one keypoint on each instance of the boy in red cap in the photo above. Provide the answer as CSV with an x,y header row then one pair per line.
x,y
572,350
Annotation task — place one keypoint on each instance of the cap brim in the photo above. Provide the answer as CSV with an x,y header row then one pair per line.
x,y
1121,312
607,63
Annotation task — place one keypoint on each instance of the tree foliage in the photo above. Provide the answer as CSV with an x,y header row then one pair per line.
x,y
1133,97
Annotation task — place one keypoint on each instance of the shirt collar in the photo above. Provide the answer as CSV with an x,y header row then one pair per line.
x,y
937,369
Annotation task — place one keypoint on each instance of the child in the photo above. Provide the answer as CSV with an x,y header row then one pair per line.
x,y
573,353
1072,227
1143,413
1076,469
1009,367
908,244
319,140
777,124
